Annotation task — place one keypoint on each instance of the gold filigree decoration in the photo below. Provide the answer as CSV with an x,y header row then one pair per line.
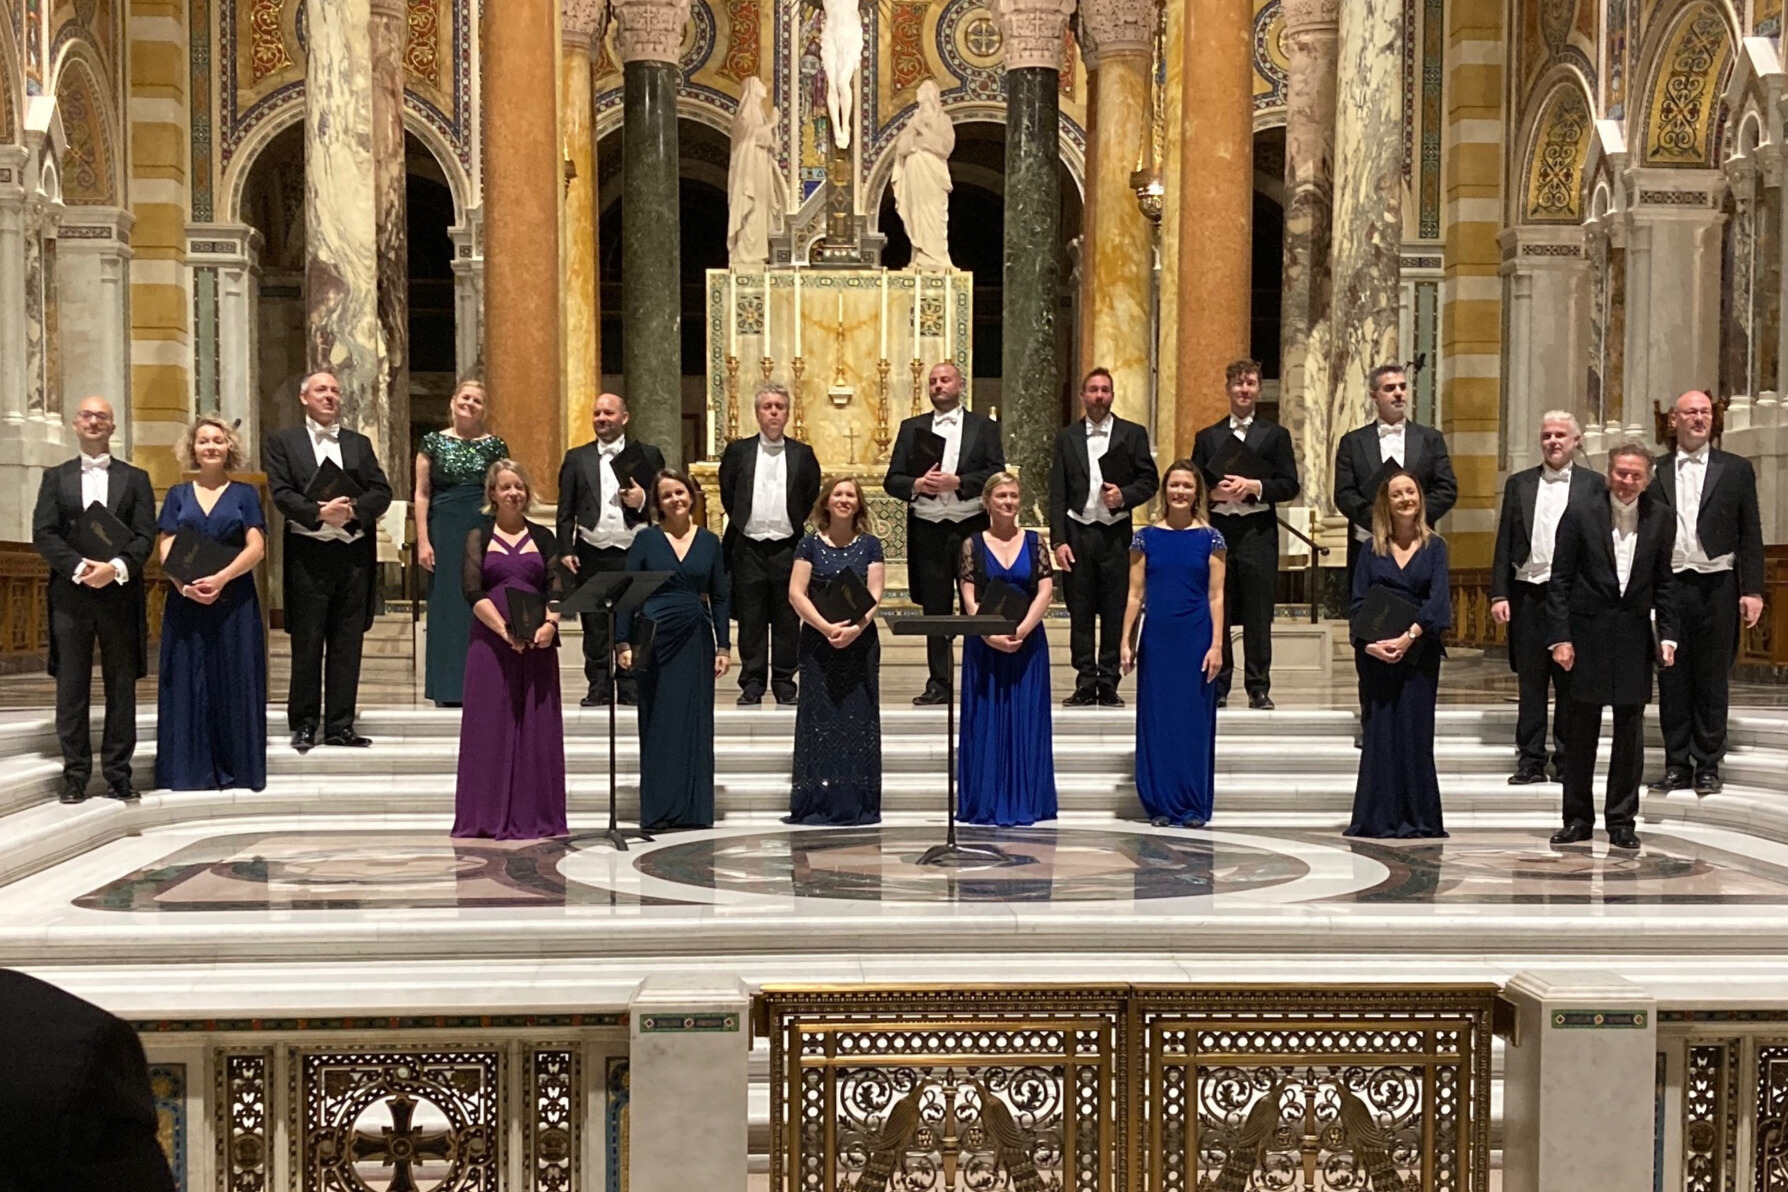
x,y
242,1128
1771,1172
87,165
267,52
422,48
1555,171
1685,94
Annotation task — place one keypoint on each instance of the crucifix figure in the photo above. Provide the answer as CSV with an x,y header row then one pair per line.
x,y
841,53
400,1146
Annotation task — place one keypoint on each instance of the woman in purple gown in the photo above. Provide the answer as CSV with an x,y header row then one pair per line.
x,y
511,732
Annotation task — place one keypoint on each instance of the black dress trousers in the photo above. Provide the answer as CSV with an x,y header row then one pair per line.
x,y
80,617
768,627
1250,577
1097,587
592,560
1536,675
1626,764
1692,695
329,587
933,561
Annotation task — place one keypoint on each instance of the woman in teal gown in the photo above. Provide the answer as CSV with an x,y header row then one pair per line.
x,y
450,471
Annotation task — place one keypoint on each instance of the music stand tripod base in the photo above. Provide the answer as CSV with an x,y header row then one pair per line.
x,y
957,853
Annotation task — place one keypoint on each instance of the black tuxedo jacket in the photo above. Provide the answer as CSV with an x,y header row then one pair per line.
x,y
1729,521
1611,630
981,455
76,1110
1514,527
1357,463
131,500
738,486
1268,440
1070,471
580,491
291,464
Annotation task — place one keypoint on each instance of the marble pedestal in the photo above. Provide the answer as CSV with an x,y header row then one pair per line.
x,y
690,1042
1578,1082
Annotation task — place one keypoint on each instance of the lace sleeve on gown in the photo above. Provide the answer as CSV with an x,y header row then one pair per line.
x,y
471,567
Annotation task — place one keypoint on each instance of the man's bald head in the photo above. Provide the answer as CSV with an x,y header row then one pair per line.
x,y
1692,420
93,424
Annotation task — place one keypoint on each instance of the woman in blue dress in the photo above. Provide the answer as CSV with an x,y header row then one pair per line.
x,y
1397,793
1176,578
838,723
690,648
450,471
211,703
1005,760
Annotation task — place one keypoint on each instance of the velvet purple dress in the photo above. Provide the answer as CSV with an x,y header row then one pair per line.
x,y
511,733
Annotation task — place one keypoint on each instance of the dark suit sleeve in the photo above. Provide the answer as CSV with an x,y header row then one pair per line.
x,y
142,523
372,503
1353,505
1202,449
995,461
655,464
114,1135
729,475
1058,490
810,480
1445,493
1567,556
1749,556
1138,491
1663,592
570,481
282,481
46,528
1284,484
1502,563
899,481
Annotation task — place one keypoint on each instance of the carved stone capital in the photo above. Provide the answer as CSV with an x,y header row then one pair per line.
x,y
1033,31
1113,28
651,30
583,23
1312,18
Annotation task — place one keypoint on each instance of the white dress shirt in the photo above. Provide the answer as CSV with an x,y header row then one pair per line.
x,y
1094,513
1391,440
769,493
953,506
1626,538
96,472
611,531
1239,428
325,443
1548,507
1688,553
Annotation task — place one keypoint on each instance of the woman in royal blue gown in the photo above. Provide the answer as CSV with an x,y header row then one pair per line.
x,y
1176,587
1005,760
1397,793
211,702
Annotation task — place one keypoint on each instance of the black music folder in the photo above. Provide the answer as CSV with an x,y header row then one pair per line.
x,y
843,599
1000,599
527,613
928,451
1382,615
193,555
630,467
329,483
99,534
1117,467
1236,458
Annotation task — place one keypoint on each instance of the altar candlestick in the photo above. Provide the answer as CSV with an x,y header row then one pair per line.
x,y
766,313
884,351
732,318
917,348
797,310
949,325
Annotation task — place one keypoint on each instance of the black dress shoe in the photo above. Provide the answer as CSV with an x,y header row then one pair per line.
x,y
1222,701
124,794
931,696
73,792
347,738
1083,697
1708,783
788,699
1623,838
627,699
304,739
1263,702
1675,779
1109,698
596,699
750,699
1574,834
1193,823
1526,777
1160,821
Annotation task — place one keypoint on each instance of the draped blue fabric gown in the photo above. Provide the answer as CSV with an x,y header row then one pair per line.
x,y
1005,762
1176,708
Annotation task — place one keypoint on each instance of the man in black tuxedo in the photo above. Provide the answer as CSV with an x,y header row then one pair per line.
x,y
1719,581
1533,501
331,563
601,516
1089,522
77,1113
1244,511
944,504
1610,576
95,594
1364,452
768,486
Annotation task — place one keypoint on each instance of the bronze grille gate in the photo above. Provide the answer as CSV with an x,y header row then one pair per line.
x,y
1129,1088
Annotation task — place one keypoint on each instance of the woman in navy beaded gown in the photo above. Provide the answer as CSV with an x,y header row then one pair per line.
x,y
1397,793
838,723
1176,590
211,702
1005,758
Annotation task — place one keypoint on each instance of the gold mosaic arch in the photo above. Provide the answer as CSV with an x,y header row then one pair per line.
x,y
1552,191
9,124
1688,71
89,173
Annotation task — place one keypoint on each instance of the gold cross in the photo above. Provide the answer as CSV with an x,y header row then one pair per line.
x,y
850,437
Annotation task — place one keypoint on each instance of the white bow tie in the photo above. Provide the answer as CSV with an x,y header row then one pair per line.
x,y
1385,432
332,433
1240,423
95,463
1551,477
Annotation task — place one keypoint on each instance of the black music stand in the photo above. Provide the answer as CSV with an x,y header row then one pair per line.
x,y
609,594
949,628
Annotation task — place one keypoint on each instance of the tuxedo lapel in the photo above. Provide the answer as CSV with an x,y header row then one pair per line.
x,y
1665,479
70,488
117,480
1601,520
1716,467
1527,495
1412,446
748,480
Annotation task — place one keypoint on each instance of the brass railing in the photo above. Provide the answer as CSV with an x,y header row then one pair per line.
x,y
1128,1088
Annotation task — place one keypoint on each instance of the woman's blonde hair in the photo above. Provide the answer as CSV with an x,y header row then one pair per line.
x,y
1201,502
186,448
997,480
1381,514
490,484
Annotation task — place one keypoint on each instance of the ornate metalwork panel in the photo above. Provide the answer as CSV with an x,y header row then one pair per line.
x,y
242,1131
1772,1119
551,1143
398,1121
1709,1116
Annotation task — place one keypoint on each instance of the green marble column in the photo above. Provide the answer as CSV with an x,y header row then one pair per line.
x,y
1031,387
651,289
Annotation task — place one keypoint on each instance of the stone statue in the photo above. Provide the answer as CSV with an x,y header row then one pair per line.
x,y
841,53
753,181
922,179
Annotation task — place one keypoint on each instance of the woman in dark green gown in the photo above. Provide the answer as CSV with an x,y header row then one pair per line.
x,y
450,472
690,649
